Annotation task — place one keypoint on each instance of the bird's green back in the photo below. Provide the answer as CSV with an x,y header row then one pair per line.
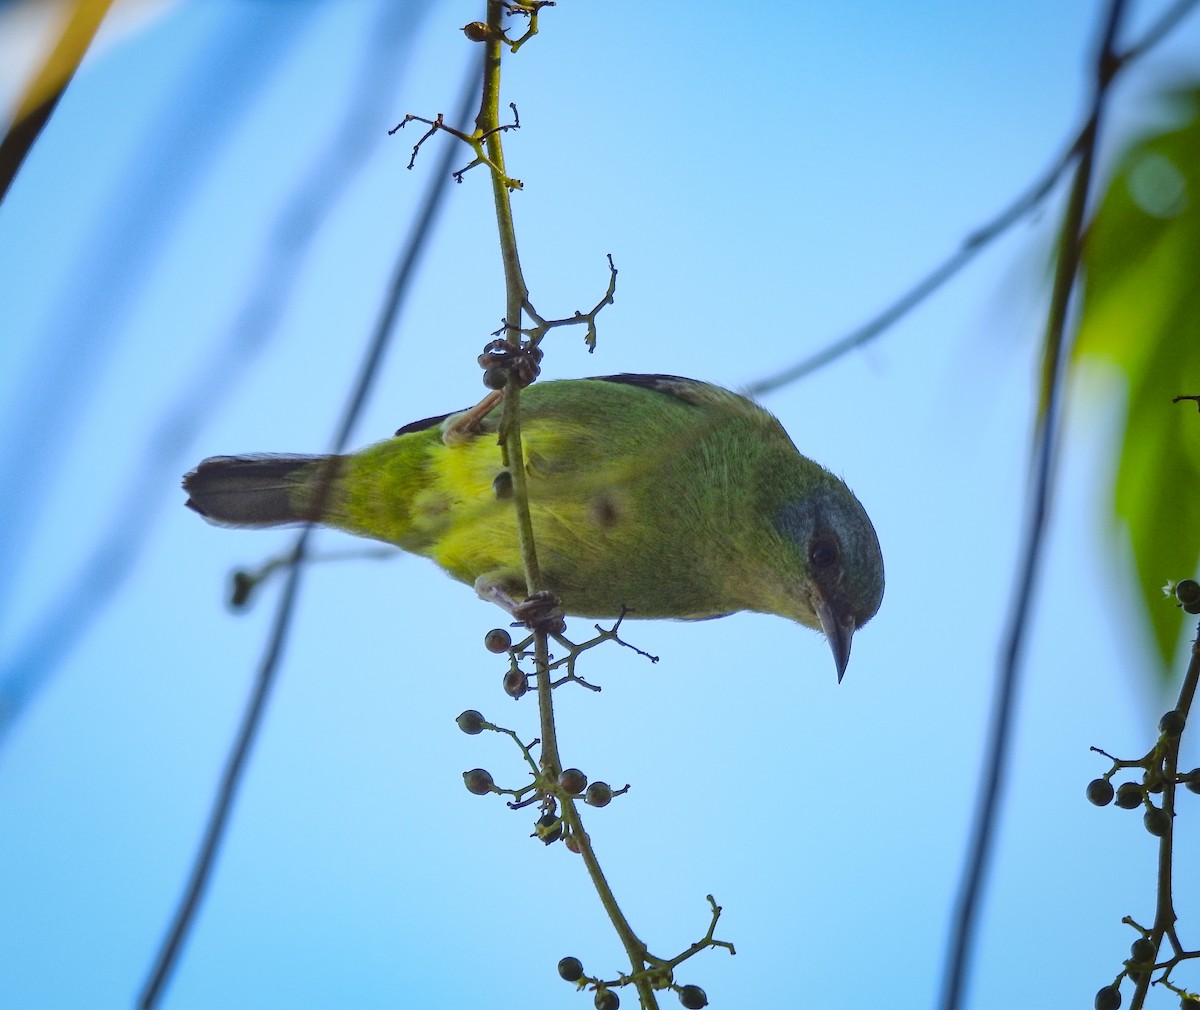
x,y
660,501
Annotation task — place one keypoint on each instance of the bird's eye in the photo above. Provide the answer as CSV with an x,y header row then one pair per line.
x,y
823,553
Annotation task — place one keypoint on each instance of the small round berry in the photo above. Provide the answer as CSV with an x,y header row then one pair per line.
x,y
470,722
1141,951
495,377
693,997
1153,780
572,843
1108,998
548,828
478,781
570,968
1193,780
1187,592
599,794
606,999
242,585
515,684
572,781
1100,792
1129,796
497,640
502,485
1157,821
476,31
1171,724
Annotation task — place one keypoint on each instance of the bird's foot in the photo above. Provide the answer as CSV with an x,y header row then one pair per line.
x,y
503,359
541,612
463,427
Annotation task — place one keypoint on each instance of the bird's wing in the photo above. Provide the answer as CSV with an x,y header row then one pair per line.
x,y
693,391
426,423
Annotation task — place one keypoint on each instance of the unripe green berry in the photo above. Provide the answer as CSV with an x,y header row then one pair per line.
x,y
1129,796
497,640
570,968
478,781
470,722
1100,792
572,781
1108,998
1193,780
693,997
599,794
1157,821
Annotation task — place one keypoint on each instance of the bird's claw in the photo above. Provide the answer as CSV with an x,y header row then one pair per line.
x,y
541,612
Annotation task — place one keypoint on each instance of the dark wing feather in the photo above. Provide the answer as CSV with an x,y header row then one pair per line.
x,y
693,391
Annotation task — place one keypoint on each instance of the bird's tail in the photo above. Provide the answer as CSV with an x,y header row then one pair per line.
x,y
259,491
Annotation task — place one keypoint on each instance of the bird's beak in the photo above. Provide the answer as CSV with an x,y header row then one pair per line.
x,y
839,631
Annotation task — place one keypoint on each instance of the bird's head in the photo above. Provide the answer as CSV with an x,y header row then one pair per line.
x,y
841,583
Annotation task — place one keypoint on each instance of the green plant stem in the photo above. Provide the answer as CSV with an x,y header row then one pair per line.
x,y
634,948
516,298
1164,915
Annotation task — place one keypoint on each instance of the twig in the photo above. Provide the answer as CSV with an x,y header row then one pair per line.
x,y
977,240
996,750
235,766
1164,914
516,304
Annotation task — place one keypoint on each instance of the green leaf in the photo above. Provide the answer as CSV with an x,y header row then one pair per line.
x,y
1141,312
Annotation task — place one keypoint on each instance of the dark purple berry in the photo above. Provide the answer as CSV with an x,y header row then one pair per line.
x,y
570,968
1187,592
572,781
1129,796
1141,951
478,781
693,997
599,794
606,999
515,684
548,828
1171,724
1108,998
497,640
470,722
1099,792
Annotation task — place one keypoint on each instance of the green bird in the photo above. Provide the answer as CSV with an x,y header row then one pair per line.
x,y
653,494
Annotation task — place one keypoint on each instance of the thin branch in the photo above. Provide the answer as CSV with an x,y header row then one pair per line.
x,y
31,664
996,750
517,303
977,240
1164,914
239,754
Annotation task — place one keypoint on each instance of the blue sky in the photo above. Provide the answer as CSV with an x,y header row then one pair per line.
x,y
765,178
